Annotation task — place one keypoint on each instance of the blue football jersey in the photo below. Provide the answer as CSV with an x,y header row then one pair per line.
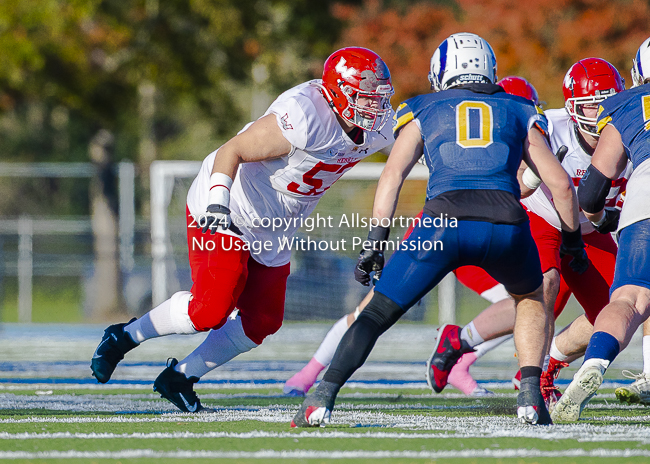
x,y
472,140
629,113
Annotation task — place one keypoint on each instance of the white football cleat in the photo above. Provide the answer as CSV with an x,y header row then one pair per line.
x,y
582,388
637,392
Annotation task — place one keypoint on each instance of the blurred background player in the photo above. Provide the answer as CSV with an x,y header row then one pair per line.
x,y
472,277
322,127
468,121
587,82
624,127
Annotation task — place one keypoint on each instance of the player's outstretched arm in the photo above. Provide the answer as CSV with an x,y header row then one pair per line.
x,y
405,153
263,140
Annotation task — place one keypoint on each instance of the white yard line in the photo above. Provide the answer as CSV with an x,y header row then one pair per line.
x,y
448,427
609,434
312,454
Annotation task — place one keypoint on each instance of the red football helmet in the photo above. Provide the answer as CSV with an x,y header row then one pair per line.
x,y
515,85
357,84
589,81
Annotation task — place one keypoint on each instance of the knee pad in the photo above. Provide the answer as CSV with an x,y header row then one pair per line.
x,y
382,312
179,305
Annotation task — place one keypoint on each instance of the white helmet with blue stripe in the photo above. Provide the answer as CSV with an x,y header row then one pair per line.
x,y
463,58
641,64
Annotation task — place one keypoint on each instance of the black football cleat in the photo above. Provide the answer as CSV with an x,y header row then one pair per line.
x,y
531,408
177,388
316,409
110,351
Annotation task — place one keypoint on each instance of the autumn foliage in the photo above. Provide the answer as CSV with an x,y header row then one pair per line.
x,y
534,39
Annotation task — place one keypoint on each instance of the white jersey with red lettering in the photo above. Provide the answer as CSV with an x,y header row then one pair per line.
x,y
562,131
289,187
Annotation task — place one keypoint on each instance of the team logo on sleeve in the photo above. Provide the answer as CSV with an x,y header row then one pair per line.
x,y
285,122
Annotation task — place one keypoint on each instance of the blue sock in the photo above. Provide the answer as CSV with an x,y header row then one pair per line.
x,y
602,346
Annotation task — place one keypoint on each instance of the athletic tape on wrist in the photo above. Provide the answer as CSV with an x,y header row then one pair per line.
x,y
530,179
220,185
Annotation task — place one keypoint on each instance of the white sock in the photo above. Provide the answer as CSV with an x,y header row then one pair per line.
x,y
555,353
603,364
170,317
327,348
219,347
646,354
484,347
471,335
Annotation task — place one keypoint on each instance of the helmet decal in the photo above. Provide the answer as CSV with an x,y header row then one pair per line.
x,y
343,70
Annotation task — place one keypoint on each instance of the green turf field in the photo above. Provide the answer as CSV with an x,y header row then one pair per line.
x,y
371,424
53,411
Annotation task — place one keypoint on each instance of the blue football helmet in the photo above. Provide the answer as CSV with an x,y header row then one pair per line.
x,y
641,64
463,58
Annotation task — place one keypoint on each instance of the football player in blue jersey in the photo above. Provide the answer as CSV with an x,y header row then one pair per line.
x,y
473,136
624,126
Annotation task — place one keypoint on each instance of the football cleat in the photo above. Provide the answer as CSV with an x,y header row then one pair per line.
x,y
550,392
637,392
530,404
177,388
582,388
110,351
316,409
480,392
448,350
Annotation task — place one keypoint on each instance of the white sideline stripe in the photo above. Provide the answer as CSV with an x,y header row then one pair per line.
x,y
311,454
494,385
557,435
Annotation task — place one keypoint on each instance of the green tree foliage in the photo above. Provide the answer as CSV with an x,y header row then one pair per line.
x,y
71,67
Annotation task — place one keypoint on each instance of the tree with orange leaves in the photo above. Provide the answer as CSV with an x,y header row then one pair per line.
x,y
537,40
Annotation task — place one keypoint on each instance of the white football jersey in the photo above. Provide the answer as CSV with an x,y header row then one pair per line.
x,y
290,187
562,132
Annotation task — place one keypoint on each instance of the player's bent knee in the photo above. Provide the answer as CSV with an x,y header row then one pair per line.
x,y
260,328
381,312
207,314
179,314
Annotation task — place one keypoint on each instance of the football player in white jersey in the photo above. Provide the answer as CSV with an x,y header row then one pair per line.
x,y
623,121
587,83
256,188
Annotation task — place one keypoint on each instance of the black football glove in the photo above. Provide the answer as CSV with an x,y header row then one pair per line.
x,y
217,217
369,261
372,260
611,221
573,245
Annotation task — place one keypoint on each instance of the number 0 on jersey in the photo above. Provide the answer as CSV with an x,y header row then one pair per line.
x,y
474,124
